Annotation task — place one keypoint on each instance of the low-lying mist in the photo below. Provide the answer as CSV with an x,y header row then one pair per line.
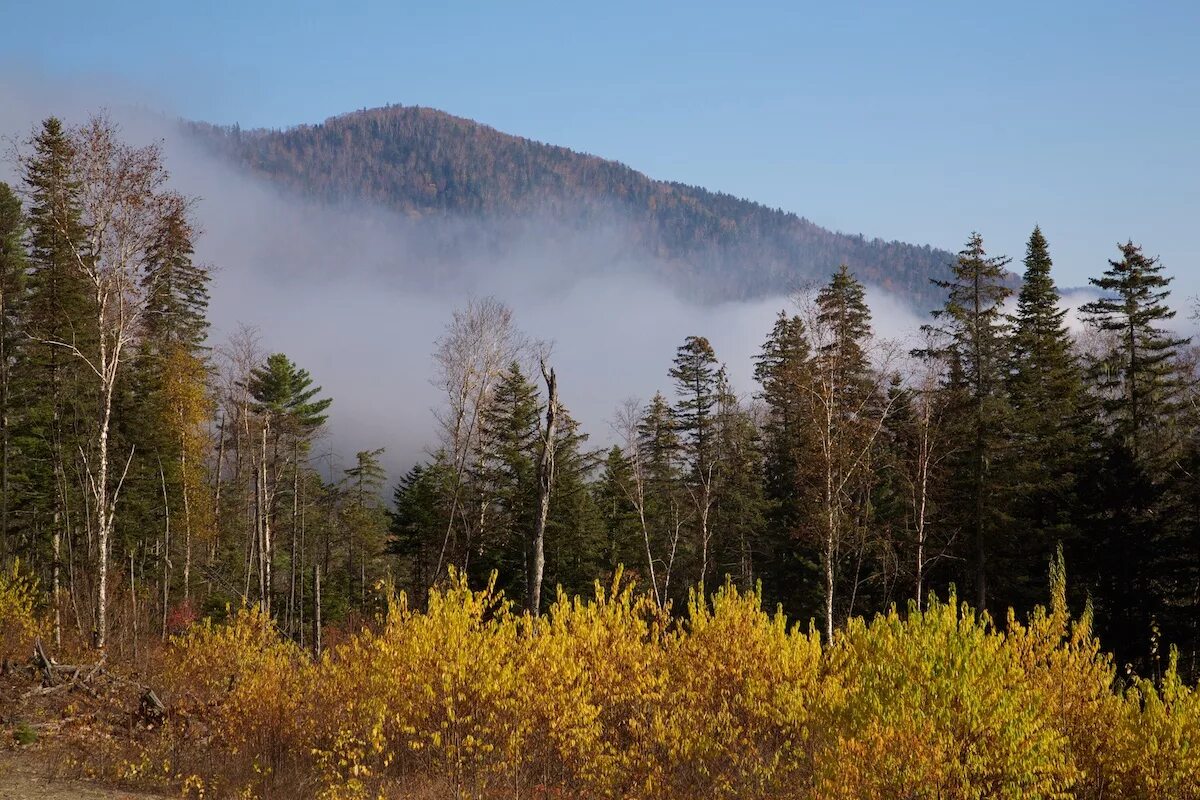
x,y
358,295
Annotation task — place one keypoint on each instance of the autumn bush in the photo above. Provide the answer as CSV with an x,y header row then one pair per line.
x,y
613,697
20,621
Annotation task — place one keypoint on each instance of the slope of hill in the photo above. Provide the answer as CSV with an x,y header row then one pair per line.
x,y
710,245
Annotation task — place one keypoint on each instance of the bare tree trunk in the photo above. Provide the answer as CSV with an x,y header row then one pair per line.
x,y
166,550
291,609
103,511
133,606
316,632
264,546
537,548
187,522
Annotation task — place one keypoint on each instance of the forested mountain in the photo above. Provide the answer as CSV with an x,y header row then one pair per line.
x,y
711,245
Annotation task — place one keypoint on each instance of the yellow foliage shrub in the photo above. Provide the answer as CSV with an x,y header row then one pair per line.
x,y
20,623
246,686
611,698
936,705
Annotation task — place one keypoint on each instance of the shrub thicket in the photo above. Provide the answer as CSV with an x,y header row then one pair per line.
x,y
612,698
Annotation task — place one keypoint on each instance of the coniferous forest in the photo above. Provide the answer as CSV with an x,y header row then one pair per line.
x,y
164,511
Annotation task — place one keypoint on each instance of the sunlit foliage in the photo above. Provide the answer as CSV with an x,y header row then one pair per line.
x,y
611,697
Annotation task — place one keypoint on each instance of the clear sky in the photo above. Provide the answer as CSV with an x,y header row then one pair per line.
x,y
917,120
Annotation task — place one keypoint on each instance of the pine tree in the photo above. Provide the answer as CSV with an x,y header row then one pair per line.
x,y
291,412
973,332
365,521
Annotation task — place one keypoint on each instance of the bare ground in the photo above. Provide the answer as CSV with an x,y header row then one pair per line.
x,y
25,775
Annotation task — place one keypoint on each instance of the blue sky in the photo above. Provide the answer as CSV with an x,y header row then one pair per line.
x,y
919,121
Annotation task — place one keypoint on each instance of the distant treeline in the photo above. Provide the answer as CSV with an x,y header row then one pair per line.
x,y
147,477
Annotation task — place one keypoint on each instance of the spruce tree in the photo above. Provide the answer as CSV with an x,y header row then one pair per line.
x,y
611,495
13,267
575,529
420,505
48,382
972,331
1138,377
695,372
1138,381
1045,384
847,415
783,369
667,506
740,515
506,477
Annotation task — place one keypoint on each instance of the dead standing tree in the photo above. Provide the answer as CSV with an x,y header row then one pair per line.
x,y
537,557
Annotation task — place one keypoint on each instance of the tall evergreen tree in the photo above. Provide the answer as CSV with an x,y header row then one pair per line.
x,y
49,382
420,505
365,521
784,371
1046,445
506,477
291,412
13,267
611,495
1138,376
847,414
695,372
973,331
740,514
665,504
1139,384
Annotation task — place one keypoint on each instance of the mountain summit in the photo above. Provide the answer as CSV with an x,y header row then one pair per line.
x,y
422,162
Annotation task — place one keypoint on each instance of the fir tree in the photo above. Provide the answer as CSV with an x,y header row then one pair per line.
x,y
1139,385
1138,376
695,372
13,267
506,477
783,369
49,382
1045,385
666,504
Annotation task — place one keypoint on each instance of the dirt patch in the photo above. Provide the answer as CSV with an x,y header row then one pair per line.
x,y
25,775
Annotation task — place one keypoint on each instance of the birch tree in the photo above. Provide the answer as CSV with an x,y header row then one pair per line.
x,y
122,202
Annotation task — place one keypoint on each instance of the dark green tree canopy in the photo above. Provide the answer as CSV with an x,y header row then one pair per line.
x,y
1138,376
284,392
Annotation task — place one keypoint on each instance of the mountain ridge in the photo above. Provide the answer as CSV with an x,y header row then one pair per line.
x,y
423,162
